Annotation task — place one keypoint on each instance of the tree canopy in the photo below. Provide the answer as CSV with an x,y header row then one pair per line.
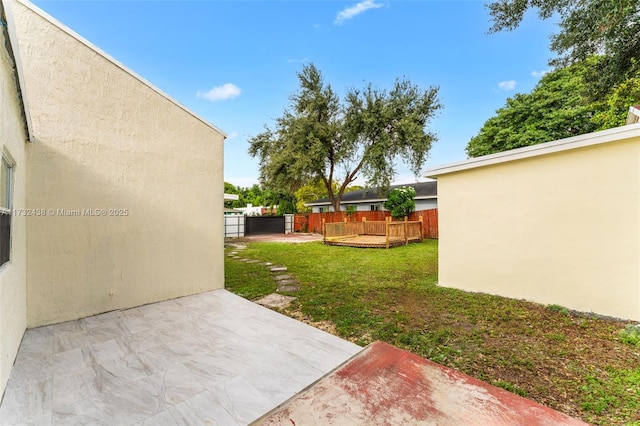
x,y
323,138
556,108
608,28
252,195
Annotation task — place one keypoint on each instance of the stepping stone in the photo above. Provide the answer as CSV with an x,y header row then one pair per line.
x,y
283,277
274,300
288,288
253,261
267,263
287,282
278,268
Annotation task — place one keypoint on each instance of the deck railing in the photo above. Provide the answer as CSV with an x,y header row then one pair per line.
x,y
312,222
392,231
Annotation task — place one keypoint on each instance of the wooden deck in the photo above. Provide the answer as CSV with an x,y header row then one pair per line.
x,y
365,241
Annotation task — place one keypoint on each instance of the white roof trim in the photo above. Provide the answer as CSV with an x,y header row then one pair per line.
x,y
11,30
581,141
634,114
99,51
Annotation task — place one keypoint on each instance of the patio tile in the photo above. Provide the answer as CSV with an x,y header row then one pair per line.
x,y
211,358
203,409
31,400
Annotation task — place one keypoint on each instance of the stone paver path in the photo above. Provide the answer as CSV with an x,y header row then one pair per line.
x,y
286,283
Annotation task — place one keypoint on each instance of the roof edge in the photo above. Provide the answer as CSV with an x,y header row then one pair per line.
x,y
111,59
14,53
367,201
589,139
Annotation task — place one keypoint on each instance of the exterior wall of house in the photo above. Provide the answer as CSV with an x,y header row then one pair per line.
x,y
561,228
13,275
428,204
366,207
127,183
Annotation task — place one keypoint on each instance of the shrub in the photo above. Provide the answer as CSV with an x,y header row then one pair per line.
x,y
400,202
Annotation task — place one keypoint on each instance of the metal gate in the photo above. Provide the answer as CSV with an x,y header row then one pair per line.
x,y
234,226
255,225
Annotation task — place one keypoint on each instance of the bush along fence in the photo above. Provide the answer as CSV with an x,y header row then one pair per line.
x,y
312,222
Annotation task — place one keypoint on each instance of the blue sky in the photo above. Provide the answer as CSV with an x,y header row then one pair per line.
x,y
234,63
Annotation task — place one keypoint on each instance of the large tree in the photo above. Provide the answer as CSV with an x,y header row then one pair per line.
x,y
320,137
608,28
615,107
556,108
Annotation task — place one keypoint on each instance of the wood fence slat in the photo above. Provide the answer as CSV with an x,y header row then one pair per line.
x,y
312,222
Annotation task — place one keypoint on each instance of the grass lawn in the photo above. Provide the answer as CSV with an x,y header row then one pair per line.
x,y
575,363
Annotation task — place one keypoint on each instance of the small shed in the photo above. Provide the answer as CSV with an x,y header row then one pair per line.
x,y
554,223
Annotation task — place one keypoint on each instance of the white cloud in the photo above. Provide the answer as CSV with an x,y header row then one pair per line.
x,y
538,74
232,135
352,11
220,93
507,85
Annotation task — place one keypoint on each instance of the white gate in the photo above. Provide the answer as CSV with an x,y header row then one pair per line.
x,y
288,223
233,226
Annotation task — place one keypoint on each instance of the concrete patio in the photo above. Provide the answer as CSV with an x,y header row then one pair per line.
x,y
211,358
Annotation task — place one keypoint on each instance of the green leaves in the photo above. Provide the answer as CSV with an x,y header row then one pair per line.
x,y
587,27
558,107
400,201
321,138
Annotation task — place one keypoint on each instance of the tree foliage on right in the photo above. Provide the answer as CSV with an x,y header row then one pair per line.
x,y
595,80
607,28
556,108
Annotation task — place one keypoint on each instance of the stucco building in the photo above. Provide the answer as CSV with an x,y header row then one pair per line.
x,y
112,192
555,223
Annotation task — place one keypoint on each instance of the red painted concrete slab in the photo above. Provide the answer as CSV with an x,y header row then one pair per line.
x,y
385,385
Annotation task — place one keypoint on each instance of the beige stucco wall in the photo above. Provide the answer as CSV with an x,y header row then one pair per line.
x,y
13,275
561,228
106,140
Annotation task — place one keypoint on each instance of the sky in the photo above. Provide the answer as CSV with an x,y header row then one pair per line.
x,y
234,62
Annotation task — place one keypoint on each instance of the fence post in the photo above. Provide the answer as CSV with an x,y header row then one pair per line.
x,y
324,230
421,219
406,230
386,231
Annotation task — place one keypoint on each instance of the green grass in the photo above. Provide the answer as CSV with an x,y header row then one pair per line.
x,y
618,392
547,353
631,335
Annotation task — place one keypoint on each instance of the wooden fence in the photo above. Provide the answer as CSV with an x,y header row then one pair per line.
x,y
312,222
